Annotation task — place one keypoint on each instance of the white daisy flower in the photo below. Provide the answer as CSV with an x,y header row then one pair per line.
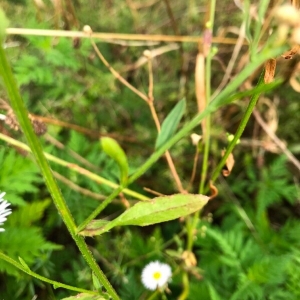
x,y
156,275
4,211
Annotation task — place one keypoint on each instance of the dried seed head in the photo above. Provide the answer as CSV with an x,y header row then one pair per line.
x,y
11,120
189,258
39,127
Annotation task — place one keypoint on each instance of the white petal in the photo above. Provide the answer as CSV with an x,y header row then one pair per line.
x,y
148,278
3,205
5,213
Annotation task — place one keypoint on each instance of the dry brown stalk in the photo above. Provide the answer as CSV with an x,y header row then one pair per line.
x,y
89,132
75,155
150,102
116,74
235,53
117,36
276,140
153,192
78,188
148,99
154,52
196,157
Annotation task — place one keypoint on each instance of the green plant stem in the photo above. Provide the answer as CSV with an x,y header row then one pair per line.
x,y
36,148
231,146
240,129
186,287
218,169
213,106
193,220
154,295
75,168
42,278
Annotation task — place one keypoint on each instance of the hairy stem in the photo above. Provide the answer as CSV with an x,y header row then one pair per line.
x,y
36,148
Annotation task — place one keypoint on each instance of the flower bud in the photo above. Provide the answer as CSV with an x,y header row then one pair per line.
x,y
87,29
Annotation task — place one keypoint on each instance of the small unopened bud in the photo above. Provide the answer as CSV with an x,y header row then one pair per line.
x,y
214,50
189,258
208,24
147,53
287,14
87,29
203,230
196,138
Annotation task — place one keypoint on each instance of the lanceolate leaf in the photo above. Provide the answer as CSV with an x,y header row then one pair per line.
x,y
160,209
170,124
114,150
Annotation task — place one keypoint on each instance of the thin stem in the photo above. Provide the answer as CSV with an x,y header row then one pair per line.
x,y
157,123
235,53
207,125
177,32
281,145
174,173
42,278
209,56
116,74
151,80
148,99
186,287
240,129
36,148
194,168
75,168
107,37
78,188
154,295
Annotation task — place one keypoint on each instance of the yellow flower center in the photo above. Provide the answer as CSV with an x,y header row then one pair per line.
x,y
156,275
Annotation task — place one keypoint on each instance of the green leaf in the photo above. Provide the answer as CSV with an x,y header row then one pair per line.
x,y
212,292
160,209
170,124
24,242
3,25
29,213
114,150
96,283
23,263
18,175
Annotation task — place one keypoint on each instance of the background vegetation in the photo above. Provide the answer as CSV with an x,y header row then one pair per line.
x,y
246,244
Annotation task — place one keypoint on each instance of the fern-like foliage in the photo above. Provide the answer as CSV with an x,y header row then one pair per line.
x,y
18,175
241,270
21,239
275,186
